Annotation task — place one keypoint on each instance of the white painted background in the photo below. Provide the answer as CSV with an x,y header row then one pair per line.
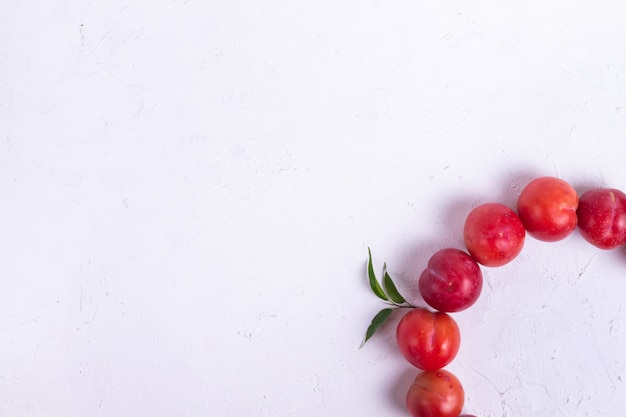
x,y
189,189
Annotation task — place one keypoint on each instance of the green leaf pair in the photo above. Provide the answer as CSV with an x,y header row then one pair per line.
x,y
387,292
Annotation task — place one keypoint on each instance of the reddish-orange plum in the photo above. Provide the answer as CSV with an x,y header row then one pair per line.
x,y
435,394
494,235
547,208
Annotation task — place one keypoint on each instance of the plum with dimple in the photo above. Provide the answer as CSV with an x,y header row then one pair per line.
x,y
428,340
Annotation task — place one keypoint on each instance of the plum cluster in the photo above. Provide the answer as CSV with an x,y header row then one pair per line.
x,y
548,209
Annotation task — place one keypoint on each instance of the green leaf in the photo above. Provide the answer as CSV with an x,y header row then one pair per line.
x,y
376,288
377,321
391,289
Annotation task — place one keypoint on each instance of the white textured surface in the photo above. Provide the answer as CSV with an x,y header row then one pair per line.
x,y
189,189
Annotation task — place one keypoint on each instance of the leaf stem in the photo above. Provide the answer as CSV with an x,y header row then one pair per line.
x,y
407,305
